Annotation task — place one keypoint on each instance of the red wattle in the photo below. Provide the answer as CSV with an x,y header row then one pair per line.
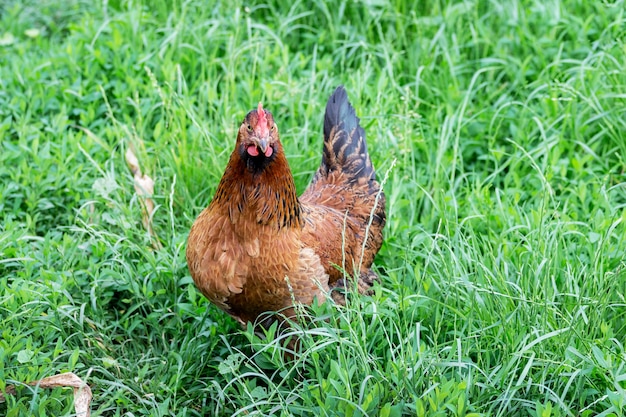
x,y
252,150
269,151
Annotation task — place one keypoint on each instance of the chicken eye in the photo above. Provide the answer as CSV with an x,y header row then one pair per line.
x,y
249,128
273,128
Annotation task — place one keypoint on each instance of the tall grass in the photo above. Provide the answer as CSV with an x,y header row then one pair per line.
x,y
503,264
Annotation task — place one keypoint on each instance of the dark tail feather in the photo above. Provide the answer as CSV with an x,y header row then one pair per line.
x,y
345,149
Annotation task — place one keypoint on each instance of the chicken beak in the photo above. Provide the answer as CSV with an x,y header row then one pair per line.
x,y
263,145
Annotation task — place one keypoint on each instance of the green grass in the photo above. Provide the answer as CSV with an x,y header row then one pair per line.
x,y
503,268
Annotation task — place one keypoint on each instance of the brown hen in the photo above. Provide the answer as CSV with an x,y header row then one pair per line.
x,y
258,247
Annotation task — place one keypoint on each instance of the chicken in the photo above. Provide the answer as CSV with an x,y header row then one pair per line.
x,y
257,247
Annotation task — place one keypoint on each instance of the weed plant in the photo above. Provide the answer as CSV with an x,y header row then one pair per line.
x,y
502,270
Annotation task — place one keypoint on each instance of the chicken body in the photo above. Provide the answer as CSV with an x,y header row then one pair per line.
x,y
258,247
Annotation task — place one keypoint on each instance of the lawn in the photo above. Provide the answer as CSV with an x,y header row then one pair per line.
x,y
500,126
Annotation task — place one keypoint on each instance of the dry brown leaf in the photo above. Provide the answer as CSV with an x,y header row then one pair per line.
x,y
144,187
82,392
133,162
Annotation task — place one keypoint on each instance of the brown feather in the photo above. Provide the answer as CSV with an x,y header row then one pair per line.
x,y
257,247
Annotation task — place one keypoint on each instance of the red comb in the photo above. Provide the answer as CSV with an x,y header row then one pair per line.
x,y
261,114
262,121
